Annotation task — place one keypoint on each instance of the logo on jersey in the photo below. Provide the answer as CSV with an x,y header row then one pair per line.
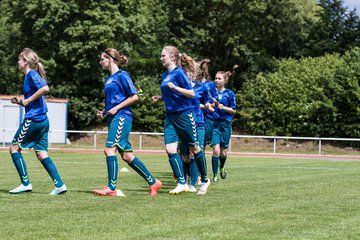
x,y
109,81
167,79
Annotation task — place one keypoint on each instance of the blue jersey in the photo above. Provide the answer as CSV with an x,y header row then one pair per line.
x,y
210,85
119,87
36,110
226,98
175,101
202,96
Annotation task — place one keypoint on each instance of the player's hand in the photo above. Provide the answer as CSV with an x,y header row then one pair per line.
x,y
221,106
209,107
171,85
156,98
112,112
24,102
100,115
15,100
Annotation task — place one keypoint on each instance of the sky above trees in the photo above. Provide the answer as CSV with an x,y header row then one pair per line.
x,y
351,4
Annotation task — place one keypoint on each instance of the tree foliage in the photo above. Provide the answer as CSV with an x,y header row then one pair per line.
x,y
70,35
307,97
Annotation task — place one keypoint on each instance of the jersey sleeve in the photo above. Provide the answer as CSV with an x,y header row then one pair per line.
x,y
232,100
37,80
127,84
183,80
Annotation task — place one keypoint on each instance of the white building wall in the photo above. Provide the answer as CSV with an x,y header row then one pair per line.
x,y
11,115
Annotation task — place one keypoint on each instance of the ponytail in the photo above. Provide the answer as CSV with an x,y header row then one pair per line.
x,y
189,65
34,62
41,70
229,74
119,59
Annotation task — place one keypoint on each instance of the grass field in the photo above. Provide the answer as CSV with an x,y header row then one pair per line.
x,y
262,198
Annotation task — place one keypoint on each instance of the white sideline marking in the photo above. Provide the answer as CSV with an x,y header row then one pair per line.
x,y
326,168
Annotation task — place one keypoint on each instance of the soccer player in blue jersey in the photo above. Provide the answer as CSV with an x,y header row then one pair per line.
x,y
204,77
33,132
202,99
180,122
120,94
223,115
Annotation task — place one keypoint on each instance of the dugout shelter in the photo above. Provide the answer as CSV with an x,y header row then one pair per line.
x,y
11,115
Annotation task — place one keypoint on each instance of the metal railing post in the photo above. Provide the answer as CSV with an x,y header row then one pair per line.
x,y
274,148
140,141
95,140
3,142
230,144
319,146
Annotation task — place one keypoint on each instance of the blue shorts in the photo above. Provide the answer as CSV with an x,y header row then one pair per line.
x,y
118,133
184,149
209,123
221,134
32,134
181,127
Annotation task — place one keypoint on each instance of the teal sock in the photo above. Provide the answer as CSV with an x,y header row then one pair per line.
x,y
21,168
194,172
140,168
112,167
52,171
201,164
215,164
222,161
177,166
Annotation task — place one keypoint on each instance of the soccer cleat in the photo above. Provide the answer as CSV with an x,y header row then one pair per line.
x,y
203,188
59,190
223,173
215,179
106,191
21,188
180,188
191,189
154,188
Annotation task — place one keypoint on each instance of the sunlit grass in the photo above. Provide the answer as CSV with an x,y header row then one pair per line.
x,y
262,198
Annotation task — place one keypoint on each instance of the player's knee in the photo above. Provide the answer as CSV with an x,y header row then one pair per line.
x,y
216,153
109,151
41,155
223,153
13,149
127,157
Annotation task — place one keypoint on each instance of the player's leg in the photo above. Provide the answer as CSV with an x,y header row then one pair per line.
x,y
48,164
41,148
21,168
171,146
24,138
139,167
114,128
224,145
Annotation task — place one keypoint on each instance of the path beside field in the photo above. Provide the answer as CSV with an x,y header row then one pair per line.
x,y
208,153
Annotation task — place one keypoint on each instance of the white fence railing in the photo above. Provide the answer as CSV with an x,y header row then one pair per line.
x,y
318,140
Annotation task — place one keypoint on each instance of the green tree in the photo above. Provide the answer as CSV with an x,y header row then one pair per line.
x,y
337,31
70,35
307,97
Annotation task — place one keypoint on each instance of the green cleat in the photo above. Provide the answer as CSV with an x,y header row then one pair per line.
x,y
215,179
223,173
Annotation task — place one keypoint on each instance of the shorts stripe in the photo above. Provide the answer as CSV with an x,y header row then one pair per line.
x,y
24,130
193,125
119,130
